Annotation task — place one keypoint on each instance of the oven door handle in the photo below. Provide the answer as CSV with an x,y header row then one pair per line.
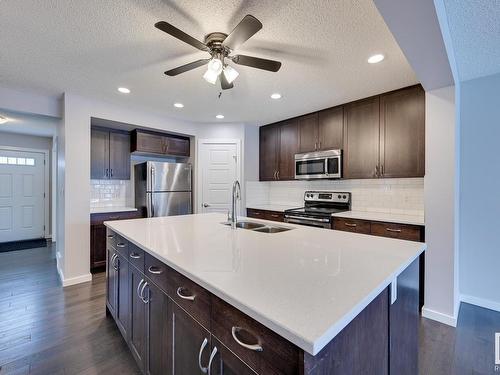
x,y
307,219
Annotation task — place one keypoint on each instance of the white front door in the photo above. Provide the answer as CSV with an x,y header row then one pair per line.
x,y
219,168
22,195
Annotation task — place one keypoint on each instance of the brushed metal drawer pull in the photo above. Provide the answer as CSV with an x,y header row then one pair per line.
x,y
111,236
155,270
212,356
135,256
254,347
121,244
393,230
189,298
351,225
202,348
142,293
138,288
113,217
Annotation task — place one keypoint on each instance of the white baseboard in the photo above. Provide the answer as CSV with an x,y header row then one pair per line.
x,y
73,280
487,304
439,317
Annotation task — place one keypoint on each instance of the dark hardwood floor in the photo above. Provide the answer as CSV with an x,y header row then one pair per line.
x,y
45,329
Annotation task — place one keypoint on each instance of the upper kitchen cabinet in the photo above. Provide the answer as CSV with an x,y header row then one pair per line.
x,y
402,133
308,133
361,139
278,146
110,154
268,152
322,130
159,143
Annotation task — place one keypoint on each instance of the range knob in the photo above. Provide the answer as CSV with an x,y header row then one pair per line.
x,y
345,196
339,196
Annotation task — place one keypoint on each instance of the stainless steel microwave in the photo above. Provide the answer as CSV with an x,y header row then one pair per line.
x,y
320,164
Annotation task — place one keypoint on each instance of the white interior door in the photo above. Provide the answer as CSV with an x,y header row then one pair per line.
x,y
219,167
22,195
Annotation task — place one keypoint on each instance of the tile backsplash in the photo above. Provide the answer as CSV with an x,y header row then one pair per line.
x,y
399,196
111,193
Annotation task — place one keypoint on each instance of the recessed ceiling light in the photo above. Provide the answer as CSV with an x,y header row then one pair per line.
x,y
219,116
276,95
124,90
178,105
375,58
3,120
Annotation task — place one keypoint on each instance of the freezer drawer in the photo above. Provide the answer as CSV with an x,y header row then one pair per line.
x,y
169,204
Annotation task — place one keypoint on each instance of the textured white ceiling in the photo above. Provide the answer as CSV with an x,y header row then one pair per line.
x,y
91,47
475,33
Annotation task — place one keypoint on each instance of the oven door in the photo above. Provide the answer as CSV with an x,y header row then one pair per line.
x,y
307,220
310,168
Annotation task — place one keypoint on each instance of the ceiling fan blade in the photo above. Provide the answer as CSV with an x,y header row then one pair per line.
x,y
257,62
247,27
181,35
187,67
224,84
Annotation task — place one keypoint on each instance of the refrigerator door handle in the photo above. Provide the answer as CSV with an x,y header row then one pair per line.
x,y
152,187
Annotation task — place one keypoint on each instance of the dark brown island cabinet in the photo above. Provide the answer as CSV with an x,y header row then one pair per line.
x,y
381,137
174,326
152,143
110,154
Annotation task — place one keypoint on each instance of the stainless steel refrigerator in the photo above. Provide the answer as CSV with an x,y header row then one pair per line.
x,y
163,189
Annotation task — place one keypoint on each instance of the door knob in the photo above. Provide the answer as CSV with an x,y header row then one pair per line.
x,y
206,205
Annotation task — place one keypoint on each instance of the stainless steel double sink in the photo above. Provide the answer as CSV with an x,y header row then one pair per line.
x,y
259,227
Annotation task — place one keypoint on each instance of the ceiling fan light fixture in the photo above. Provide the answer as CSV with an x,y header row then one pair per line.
x,y
230,73
210,76
3,120
215,65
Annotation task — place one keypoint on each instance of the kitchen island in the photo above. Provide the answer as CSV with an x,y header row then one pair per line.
x,y
192,295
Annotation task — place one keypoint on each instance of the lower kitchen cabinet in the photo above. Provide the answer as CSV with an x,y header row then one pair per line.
x,y
122,298
225,362
137,329
111,281
265,214
188,343
156,330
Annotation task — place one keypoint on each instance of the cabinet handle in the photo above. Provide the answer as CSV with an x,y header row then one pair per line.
x,y
202,348
142,293
212,356
275,215
315,145
393,230
382,170
135,256
116,265
319,145
138,288
350,225
189,298
377,173
111,236
121,245
111,172
155,270
113,218
275,175
107,172
254,347
278,174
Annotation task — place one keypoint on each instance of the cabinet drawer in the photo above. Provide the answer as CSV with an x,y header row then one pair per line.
x,y
274,216
263,350
190,296
400,231
117,242
156,271
258,214
101,218
136,256
351,225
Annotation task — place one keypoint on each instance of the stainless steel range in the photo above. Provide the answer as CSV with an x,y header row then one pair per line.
x,y
318,208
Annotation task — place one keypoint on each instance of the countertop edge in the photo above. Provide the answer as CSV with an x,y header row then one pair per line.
x,y
313,347
383,218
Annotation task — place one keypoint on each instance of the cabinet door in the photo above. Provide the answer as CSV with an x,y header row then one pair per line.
x,y
119,156
288,146
331,128
268,151
225,362
187,339
157,328
122,297
148,143
402,133
99,154
97,246
177,146
137,329
361,139
308,133
111,280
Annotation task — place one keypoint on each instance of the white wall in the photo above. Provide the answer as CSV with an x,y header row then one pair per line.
x,y
441,206
480,192
30,102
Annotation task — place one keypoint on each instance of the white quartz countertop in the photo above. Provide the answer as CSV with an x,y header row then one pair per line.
x,y
105,210
385,217
305,284
272,207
